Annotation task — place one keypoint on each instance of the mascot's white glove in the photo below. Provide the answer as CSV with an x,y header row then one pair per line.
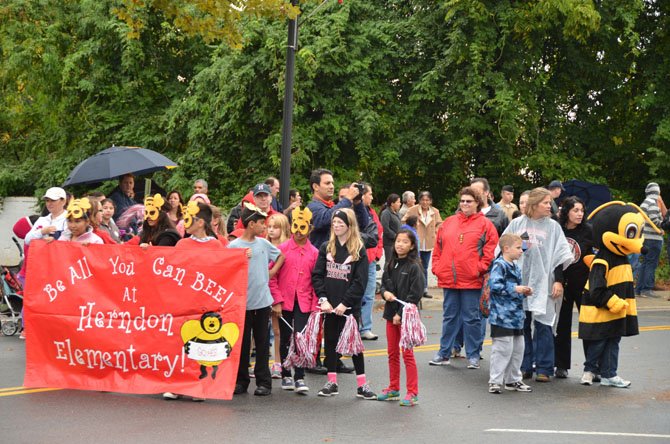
x,y
616,304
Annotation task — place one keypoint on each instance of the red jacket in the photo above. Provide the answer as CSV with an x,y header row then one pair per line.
x,y
376,253
464,251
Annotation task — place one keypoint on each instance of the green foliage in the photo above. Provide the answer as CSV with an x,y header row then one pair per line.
x,y
403,94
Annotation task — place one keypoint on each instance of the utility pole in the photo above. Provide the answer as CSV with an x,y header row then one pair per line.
x,y
287,128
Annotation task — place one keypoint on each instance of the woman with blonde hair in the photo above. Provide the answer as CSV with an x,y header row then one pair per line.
x,y
546,255
339,279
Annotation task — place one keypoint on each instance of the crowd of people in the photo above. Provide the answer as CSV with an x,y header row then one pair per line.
x,y
324,257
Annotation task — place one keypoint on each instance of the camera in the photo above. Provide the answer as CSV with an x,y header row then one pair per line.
x,y
361,190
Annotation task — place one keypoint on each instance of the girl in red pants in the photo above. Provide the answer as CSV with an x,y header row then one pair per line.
x,y
403,279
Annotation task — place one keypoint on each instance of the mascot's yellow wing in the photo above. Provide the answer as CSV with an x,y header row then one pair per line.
x,y
190,329
231,332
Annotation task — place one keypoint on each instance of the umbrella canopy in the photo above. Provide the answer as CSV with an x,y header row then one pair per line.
x,y
592,194
117,161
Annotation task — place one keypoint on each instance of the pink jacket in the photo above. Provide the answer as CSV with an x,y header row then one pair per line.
x,y
294,278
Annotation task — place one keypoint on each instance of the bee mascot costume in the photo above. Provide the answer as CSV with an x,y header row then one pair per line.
x,y
608,309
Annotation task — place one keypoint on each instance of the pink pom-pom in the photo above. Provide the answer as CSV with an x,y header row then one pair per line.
x,y
412,330
303,346
350,342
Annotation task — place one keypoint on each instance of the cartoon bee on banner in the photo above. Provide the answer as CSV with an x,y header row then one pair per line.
x,y
208,341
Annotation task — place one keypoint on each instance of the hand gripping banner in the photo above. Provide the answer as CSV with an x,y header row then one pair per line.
x,y
121,319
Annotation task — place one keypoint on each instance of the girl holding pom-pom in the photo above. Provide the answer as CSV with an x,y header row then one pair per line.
x,y
339,279
403,280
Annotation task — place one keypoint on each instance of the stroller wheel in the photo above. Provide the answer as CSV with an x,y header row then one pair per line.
x,y
9,328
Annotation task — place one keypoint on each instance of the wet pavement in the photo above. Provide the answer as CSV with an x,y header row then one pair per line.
x,y
454,402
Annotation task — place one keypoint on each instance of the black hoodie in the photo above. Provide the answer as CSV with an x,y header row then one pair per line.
x,y
406,282
339,279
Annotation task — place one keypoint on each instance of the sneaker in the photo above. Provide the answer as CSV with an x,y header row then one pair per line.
x,y
300,386
541,377
587,378
518,387
615,381
649,294
473,364
329,389
439,360
561,373
389,395
287,383
275,371
456,353
365,392
369,336
262,391
170,396
410,400
494,388
596,377
239,389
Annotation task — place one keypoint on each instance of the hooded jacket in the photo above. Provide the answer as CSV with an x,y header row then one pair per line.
x,y
464,251
650,206
406,281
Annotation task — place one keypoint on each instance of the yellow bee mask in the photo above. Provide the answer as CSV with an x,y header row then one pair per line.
x,y
302,220
152,206
79,208
189,211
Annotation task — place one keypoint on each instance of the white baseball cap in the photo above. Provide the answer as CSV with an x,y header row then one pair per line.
x,y
55,193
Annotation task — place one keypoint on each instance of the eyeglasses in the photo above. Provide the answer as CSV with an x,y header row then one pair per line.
x,y
466,201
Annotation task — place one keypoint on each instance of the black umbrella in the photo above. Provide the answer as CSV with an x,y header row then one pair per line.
x,y
592,194
117,161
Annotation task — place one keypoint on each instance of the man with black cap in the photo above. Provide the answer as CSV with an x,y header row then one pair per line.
x,y
506,204
261,196
555,187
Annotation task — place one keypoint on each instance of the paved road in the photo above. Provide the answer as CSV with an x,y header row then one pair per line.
x,y
455,404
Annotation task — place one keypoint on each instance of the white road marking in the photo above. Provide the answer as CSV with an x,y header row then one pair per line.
x,y
579,432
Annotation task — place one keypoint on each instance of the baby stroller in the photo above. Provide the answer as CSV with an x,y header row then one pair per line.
x,y
11,303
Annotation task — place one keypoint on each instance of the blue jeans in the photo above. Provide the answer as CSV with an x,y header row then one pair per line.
x,y
368,298
647,268
539,347
425,261
602,357
461,309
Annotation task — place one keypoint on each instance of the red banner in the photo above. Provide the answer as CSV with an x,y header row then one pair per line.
x,y
121,319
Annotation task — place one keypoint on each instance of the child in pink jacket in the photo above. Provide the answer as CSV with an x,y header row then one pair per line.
x,y
292,288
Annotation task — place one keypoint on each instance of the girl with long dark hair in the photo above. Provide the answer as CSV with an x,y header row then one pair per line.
x,y
402,280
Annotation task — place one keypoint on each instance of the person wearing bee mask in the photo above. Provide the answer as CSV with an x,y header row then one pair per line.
x,y
79,227
157,228
293,284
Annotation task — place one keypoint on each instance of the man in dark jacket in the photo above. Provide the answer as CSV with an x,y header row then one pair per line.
x,y
323,207
492,212
123,195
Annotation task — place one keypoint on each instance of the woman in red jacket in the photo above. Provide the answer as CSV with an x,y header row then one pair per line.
x,y
462,255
